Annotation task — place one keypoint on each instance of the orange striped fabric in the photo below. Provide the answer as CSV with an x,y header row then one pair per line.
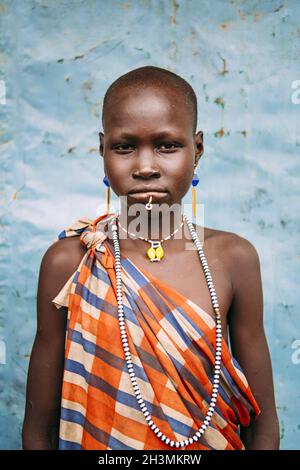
x,y
172,343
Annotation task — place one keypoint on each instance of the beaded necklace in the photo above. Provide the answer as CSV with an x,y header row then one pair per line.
x,y
156,251
185,442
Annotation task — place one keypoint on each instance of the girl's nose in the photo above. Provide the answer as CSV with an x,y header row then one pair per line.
x,y
146,165
146,172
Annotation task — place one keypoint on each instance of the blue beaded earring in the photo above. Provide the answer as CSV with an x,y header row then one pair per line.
x,y
106,182
195,181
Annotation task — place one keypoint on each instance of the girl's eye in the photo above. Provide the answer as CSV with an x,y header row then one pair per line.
x,y
169,146
122,147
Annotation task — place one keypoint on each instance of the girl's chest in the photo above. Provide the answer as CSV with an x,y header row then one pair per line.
x,y
184,273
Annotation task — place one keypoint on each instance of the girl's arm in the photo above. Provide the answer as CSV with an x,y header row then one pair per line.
x,y
249,345
44,381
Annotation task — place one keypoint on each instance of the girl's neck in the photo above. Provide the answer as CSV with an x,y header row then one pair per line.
x,y
156,224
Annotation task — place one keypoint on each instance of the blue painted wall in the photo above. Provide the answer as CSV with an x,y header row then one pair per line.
x,y
57,59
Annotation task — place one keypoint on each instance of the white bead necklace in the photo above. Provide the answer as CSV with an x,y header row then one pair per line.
x,y
155,252
126,349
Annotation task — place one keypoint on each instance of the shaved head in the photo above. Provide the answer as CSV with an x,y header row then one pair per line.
x,y
175,87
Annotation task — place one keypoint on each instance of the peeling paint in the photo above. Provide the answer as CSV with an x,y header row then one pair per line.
x,y
224,71
241,14
257,16
17,192
278,8
88,85
220,101
224,25
175,6
172,53
221,133
125,5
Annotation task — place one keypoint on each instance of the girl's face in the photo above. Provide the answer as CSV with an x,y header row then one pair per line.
x,y
149,143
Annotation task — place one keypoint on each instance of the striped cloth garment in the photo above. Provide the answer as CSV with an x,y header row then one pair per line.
x,y
172,342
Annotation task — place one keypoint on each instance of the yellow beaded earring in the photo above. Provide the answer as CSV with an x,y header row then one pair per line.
x,y
195,181
106,182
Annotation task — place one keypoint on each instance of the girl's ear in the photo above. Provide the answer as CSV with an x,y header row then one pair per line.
x,y
199,148
101,143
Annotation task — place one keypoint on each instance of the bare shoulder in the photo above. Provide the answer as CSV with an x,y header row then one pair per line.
x,y
236,244
65,253
59,261
238,252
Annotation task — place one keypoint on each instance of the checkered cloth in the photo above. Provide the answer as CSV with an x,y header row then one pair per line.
x,y
172,342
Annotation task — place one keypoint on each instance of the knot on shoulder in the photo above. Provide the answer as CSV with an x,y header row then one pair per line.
x,y
92,233
93,239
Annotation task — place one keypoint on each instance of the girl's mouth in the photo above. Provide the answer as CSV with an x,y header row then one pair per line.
x,y
141,196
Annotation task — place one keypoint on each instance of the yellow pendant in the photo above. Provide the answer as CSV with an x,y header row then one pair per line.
x,y
155,252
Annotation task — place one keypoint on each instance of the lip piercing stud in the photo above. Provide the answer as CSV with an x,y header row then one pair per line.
x,y
149,205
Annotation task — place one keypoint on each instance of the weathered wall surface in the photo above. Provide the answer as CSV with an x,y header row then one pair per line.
x,y
57,59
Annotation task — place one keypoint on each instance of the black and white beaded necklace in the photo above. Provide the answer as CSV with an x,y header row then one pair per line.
x,y
218,354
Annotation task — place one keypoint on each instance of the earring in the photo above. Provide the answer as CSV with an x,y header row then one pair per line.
x,y
195,181
106,182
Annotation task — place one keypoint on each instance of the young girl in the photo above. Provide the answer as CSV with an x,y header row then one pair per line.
x,y
131,353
